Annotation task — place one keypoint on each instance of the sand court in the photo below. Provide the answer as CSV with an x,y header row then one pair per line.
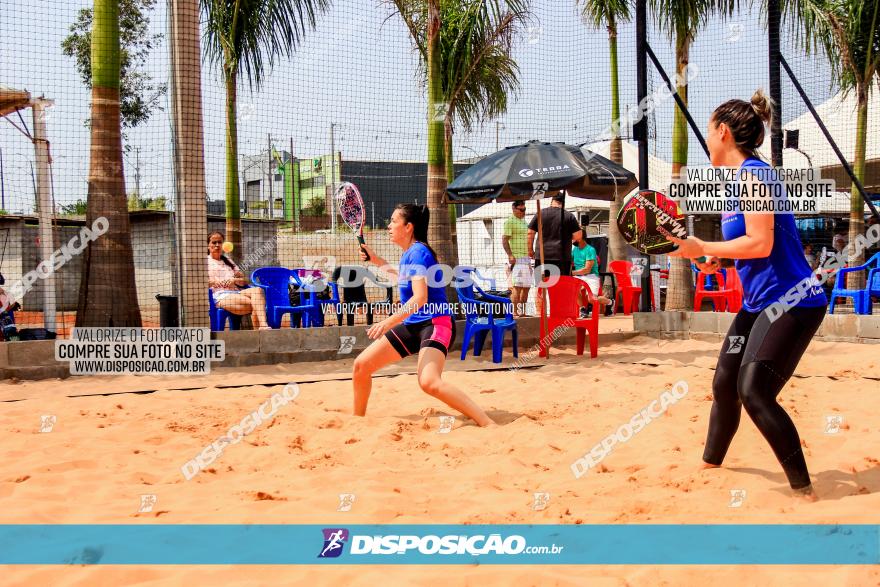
x,y
104,452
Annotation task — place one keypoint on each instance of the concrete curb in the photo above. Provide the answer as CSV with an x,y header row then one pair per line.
x,y
35,360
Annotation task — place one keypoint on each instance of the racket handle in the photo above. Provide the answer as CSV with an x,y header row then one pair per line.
x,y
361,240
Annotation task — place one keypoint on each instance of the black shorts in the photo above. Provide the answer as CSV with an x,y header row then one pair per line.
x,y
437,333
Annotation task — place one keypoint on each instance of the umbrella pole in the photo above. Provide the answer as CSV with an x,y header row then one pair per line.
x,y
542,291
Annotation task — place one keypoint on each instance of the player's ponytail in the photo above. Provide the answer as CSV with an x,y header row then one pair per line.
x,y
746,121
419,217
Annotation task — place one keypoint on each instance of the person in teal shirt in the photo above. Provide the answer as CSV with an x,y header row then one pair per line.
x,y
585,263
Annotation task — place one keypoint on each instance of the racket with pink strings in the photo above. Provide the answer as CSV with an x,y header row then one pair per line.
x,y
350,206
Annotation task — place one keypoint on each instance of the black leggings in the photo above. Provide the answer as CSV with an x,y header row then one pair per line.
x,y
757,359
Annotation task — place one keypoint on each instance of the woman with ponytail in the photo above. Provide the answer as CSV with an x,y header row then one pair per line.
x,y
763,347
423,325
226,282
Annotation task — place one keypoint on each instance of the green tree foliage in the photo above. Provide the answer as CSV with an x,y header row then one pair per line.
x,y
139,95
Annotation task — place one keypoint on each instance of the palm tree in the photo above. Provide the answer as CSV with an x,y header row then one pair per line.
x,y
465,50
848,31
107,293
478,71
244,36
682,20
607,13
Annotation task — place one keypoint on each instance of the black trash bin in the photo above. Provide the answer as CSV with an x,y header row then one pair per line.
x,y
169,317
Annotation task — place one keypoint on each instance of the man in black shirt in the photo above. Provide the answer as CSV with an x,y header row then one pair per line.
x,y
556,222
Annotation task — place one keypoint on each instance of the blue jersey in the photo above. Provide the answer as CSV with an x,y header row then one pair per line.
x,y
767,280
418,261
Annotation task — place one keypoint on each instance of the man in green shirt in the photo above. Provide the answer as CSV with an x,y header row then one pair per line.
x,y
586,268
519,262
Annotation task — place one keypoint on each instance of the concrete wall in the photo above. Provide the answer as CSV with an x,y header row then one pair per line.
x,y
259,237
153,245
36,359
19,253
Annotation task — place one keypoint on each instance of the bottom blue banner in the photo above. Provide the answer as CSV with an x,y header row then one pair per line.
x,y
648,544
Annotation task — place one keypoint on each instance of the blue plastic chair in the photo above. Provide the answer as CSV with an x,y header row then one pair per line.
x,y
219,316
314,317
333,301
861,297
489,281
873,288
479,324
275,283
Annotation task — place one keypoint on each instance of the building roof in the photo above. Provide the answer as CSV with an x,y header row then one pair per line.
x,y
839,116
502,209
659,171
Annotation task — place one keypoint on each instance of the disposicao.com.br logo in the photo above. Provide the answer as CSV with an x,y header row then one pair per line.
x,y
392,544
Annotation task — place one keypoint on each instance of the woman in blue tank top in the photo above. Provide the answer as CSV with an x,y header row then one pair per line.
x,y
765,342
424,324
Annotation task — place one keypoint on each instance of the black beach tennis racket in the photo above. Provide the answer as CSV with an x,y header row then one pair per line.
x,y
350,206
647,219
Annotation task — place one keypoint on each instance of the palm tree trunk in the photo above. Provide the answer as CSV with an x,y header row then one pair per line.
x,y
856,279
108,292
189,163
233,197
438,231
680,292
452,260
617,247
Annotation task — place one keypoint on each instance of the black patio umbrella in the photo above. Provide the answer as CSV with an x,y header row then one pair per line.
x,y
536,170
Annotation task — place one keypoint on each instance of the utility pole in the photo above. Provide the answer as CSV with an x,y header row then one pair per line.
x,y
44,200
34,185
271,178
333,177
498,135
137,171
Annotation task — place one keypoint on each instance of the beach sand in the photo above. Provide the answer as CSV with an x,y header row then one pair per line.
x,y
105,451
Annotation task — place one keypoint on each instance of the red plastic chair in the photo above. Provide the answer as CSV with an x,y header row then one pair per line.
x,y
626,291
718,296
564,311
735,291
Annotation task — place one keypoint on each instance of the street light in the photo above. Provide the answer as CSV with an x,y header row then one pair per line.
x,y
243,171
472,151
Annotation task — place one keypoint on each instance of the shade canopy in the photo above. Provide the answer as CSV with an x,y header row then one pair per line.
x,y
537,169
12,100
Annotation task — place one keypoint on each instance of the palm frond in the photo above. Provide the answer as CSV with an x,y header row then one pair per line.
x,y
847,32
249,36
681,19
480,72
414,14
598,13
